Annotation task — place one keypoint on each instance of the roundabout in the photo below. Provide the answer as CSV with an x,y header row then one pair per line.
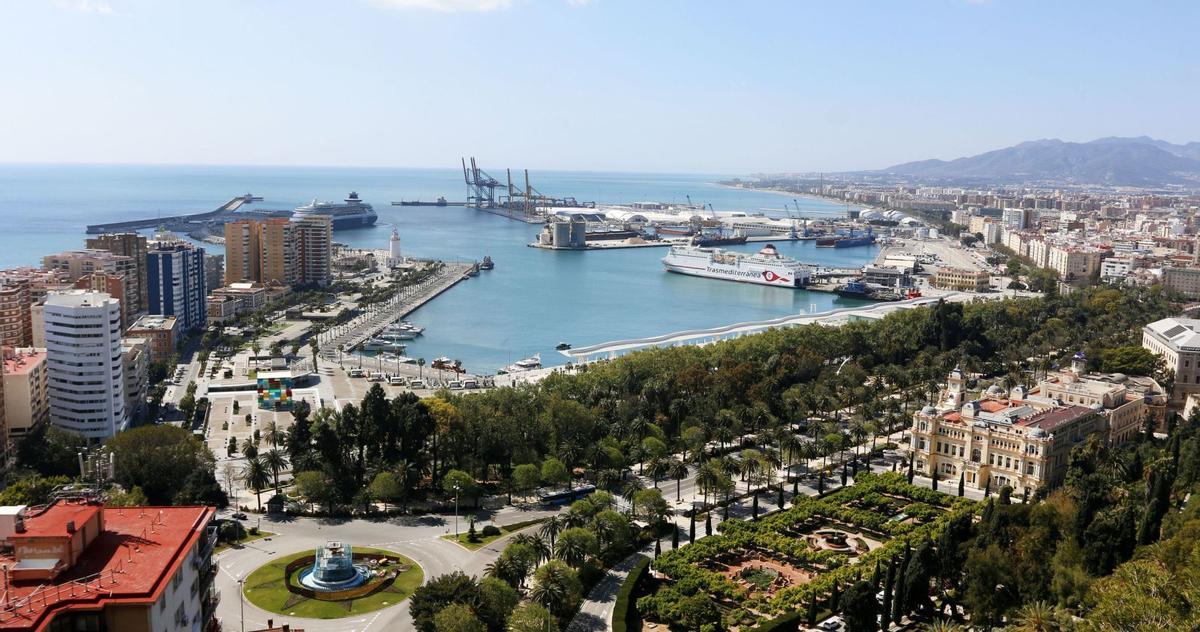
x,y
333,582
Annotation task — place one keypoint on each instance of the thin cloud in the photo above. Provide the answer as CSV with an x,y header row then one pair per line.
x,y
101,7
445,6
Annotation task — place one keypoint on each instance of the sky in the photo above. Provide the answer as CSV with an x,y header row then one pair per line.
x,y
679,86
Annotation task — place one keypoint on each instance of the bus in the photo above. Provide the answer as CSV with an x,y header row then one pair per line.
x,y
562,496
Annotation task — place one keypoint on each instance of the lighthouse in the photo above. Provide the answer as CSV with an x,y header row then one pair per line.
x,y
394,258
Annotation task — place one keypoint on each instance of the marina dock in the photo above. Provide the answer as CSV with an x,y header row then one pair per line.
x,y
376,317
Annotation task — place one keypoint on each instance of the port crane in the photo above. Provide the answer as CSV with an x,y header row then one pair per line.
x,y
481,192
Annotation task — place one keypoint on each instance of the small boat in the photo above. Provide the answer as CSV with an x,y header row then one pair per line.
x,y
562,346
486,264
384,344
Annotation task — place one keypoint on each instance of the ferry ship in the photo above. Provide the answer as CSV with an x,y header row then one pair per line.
x,y
765,267
527,364
352,213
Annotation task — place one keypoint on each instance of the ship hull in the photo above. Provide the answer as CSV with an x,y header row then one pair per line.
x,y
768,278
356,221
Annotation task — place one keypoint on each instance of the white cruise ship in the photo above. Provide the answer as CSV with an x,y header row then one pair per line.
x,y
353,213
765,267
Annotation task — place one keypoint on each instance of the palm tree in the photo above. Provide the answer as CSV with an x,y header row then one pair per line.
x,y
271,433
572,551
420,367
256,476
944,625
275,460
749,466
677,470
539,545
630,490
551,528
507,569
658,467
553,589
1038,616
708,478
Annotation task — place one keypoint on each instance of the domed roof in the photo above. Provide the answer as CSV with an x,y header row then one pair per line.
x,y
928,410
995,390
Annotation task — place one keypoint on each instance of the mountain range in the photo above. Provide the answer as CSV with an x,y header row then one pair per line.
x,y
1119,161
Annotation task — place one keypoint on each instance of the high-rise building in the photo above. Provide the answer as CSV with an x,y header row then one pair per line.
x,y
176,281
280,253
16,321
128,245
135,358
112,284
75,264
243,256
315,236
86,380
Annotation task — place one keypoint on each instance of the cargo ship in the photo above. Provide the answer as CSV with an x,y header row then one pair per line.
x,y
765,267
352,213
848,241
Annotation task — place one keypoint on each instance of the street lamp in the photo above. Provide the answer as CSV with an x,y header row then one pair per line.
x,y
242,600
456,488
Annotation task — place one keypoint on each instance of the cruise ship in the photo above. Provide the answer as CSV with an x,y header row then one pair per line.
x,y
765,267
352,213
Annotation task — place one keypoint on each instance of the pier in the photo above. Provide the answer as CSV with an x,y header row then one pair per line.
x,y
139,224
348,336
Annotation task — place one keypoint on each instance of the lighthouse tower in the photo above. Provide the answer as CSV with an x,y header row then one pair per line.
x,y
394,258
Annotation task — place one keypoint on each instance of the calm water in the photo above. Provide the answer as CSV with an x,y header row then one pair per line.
x,y
530,302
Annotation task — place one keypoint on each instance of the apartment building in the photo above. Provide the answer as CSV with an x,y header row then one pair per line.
x,y
127,245
76,264
113,284
243,255
1185,281
135,365
26,402
86,380
314,233
176,275
160,332
1073,262
76,563
1177,342
16,320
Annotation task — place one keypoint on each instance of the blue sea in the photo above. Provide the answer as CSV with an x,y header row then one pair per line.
x,y
534,298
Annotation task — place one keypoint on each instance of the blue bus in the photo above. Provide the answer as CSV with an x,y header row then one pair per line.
x,y
562,496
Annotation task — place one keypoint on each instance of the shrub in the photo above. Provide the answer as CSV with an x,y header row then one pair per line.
x,y
490,531
621,613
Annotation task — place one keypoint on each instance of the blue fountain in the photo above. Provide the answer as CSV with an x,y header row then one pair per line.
x,y
334,569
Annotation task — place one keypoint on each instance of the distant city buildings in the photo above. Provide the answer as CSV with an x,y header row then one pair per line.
x,y
130,245
160,332
86,381
961,280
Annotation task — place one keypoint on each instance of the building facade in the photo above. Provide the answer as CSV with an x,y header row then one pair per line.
x,y
177,283
315,236
242,252
76,264
135,363
26,403
16,319
127,245
1177,342
161,333
86,382
961,280
1185,281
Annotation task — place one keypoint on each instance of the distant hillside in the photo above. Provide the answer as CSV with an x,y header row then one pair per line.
x,y
1140,161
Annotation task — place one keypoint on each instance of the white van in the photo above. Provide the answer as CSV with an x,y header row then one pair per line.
x,y
416,383
454,385
357,373
396,380
376,377
470,384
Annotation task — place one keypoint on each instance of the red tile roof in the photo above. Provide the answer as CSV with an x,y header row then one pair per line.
x,y
1055,417
130,562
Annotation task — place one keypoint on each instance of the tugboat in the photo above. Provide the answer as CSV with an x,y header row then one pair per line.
x,y
562,346
486,264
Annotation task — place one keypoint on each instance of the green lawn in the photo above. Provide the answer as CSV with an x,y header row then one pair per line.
x,y
221,546
485,540
265,588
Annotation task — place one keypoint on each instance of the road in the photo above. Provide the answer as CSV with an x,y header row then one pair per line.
x,y
418,537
